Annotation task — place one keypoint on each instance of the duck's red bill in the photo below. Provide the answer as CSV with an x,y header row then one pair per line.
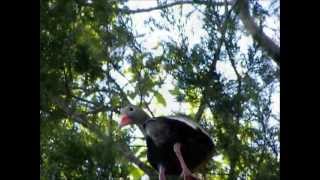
x,y
125,120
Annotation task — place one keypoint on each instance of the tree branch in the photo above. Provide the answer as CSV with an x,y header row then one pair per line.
x,y
122,93
98,107
149,110
130,156
216,55
125,98
239,79
223,30
265,42
122,147
201,109
129,11
233,64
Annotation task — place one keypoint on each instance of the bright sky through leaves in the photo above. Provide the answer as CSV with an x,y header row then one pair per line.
x,y
194,31
193,28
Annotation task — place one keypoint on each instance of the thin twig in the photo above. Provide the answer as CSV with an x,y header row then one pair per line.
x,y
160,7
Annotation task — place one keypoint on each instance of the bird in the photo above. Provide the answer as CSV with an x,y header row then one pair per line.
x,y
176,145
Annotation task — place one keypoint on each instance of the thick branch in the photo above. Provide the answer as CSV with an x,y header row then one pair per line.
x,y
266,43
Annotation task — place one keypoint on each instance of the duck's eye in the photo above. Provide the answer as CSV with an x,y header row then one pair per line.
x,y
130,108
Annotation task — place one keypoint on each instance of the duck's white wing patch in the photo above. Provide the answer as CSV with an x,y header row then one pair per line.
x,y
189,122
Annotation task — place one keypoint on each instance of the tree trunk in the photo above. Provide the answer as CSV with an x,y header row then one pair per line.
x,y
264,41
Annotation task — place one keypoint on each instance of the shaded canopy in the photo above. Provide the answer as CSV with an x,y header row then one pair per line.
x,y
93,61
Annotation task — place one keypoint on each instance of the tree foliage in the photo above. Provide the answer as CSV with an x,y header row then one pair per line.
x,y
93,62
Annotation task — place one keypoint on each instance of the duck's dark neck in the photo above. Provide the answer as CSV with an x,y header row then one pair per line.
x,y
141,117
146,121
141,123
142,129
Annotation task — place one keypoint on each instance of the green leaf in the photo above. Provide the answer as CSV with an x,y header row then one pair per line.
x,y
175,91
160,98
136,173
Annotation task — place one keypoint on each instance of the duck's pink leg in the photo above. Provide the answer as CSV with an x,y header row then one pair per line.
x,y
186,173
162,175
